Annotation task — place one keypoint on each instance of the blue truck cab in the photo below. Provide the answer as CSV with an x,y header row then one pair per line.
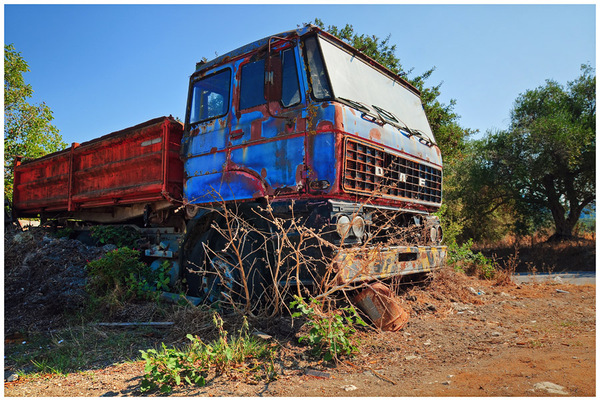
x,y
305,126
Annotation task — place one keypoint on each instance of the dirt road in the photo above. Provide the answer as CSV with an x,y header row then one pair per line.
x,y
514,340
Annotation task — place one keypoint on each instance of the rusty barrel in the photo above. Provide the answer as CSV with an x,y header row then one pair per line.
x,y
382,306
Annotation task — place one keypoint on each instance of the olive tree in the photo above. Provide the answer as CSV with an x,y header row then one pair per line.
x,y
545,160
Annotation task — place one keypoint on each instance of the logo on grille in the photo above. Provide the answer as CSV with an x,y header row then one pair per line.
x,y
422,182
402,177
378,171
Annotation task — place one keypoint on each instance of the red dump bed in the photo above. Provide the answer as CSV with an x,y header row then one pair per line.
x,y
137,164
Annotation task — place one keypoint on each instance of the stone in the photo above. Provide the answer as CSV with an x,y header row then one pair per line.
x,y
550,388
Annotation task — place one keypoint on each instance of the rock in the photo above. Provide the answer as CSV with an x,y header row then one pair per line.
x,y
562,292
13,377
109,247
496,334
350,387
550,388
22,237
411,357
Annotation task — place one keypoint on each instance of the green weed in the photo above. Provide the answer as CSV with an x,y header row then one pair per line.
x,y
230,355
120,276
116,235
463,259
330,334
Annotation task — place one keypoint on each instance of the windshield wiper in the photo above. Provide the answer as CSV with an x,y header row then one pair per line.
x,y
388,117
423,136
357,105
391,119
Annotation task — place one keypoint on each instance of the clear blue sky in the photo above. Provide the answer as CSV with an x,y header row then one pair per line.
x,y
102,68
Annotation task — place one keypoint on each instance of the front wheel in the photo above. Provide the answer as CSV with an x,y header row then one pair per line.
x,y
223,270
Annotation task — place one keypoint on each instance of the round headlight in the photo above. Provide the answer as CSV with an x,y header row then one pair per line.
x,y
358,227
440,234
343,226
433,234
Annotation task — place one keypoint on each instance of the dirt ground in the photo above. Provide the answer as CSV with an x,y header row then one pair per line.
x,y
465,337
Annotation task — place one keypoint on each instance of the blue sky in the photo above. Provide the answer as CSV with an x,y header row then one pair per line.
x,y
102,68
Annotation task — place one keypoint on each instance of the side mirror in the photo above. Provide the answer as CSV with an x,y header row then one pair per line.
x,y
273,78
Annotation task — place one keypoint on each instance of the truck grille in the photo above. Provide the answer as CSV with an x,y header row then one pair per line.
x,y
373,171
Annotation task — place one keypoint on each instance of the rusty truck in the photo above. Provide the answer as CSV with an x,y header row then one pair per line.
x,y
298,125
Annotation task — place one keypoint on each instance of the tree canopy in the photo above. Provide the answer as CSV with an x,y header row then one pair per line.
x,y
27,128
545,161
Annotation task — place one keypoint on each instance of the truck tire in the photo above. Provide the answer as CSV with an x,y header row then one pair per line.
x,y
212,267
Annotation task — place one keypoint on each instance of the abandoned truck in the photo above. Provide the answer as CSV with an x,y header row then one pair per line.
x,y
300,158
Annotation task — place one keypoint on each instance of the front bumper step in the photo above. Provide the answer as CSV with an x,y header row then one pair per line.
x,y
360,264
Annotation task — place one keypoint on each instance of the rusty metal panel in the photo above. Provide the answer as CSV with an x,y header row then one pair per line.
x,y
137,164
358,264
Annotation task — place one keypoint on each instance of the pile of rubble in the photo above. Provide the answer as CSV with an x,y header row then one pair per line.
x,y
44,279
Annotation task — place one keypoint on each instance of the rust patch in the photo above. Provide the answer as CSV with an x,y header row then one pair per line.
x,y
338,117
256,130
375,134
299,176
325,126
301,124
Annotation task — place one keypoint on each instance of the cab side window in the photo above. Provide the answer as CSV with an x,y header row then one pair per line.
x,y
210,97
252,90
290,89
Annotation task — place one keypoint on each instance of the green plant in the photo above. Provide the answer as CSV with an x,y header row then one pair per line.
x,y
463,259
116,235
162,278
330,334
65,232
120,276
241,354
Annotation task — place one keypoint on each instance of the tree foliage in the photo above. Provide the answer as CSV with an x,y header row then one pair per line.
x,y
545,161
27,128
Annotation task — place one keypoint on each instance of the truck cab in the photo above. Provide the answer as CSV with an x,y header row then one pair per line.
x,y
307,123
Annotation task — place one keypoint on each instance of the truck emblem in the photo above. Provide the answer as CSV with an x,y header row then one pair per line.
x,y
402,177
422,182
378,171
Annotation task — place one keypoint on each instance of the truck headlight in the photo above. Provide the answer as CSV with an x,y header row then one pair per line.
x,y
358,227
343,226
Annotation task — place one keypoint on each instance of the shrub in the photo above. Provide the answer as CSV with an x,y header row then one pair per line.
x,y
120,276
330,334
241,354
463,259
116,235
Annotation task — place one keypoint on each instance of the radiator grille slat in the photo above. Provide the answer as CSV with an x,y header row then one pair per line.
x,y
373,171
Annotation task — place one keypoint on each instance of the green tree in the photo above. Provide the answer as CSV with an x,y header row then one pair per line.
x,y
545,161
27,129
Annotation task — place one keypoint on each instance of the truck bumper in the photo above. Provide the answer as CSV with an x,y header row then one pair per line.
x,y
360,264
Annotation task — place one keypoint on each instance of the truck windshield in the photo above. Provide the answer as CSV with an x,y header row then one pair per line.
x,y
210,97
354,79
